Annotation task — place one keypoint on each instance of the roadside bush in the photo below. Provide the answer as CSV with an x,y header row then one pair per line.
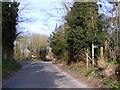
x,y
115,85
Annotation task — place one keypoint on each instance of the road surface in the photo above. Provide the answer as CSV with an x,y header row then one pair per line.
x,y
41,75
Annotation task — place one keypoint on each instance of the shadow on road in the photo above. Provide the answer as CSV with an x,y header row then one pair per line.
x,y
37,75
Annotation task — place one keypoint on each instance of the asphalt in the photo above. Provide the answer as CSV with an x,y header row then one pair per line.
x,y
41,75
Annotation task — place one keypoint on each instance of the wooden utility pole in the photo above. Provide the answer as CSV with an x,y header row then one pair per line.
x,y
101,53
87,60
93,62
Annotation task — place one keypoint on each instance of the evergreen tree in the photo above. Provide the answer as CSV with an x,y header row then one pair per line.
x,y
86,28
9,33
58,41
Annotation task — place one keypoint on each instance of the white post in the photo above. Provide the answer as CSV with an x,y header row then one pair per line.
x,y
93,55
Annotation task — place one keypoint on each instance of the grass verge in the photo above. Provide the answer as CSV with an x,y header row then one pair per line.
x,y
8,66
98,75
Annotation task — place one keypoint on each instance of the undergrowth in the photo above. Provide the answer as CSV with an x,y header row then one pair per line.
x,y
95,72
112,83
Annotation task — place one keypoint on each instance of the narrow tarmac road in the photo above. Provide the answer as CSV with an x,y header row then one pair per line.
x,y
41,75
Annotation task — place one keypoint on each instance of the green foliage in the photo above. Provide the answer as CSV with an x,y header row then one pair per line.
x,y
8,66
112,83
118,57
115,61
115,85
58,48
90,71
58,41
9,32
35,44
85,28
106,82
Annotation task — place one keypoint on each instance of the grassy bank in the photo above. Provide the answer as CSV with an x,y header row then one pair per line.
x,y
97,75
8,66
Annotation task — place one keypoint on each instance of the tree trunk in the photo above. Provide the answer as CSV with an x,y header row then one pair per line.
x,y
10,51
70,56
106,50
3,52
10,54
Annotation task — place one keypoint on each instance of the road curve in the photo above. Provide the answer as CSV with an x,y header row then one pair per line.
x,y
41,75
